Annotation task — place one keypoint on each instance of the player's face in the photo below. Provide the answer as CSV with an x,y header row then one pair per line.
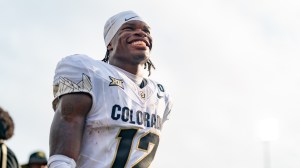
x,y
132,43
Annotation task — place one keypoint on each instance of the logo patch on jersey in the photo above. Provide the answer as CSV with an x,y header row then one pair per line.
x,y
116,82
142,94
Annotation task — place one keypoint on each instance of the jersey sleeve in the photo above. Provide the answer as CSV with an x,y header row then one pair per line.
x,y
168,103
72,75
169,106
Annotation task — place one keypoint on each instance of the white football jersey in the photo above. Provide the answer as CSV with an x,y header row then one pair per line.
x,y
124,124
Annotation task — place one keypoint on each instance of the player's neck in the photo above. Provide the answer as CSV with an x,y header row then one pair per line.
x,y
136,70
137,79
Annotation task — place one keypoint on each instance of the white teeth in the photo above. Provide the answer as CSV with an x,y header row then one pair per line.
x,y
139,43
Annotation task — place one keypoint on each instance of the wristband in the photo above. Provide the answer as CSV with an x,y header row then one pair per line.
x,y
61,161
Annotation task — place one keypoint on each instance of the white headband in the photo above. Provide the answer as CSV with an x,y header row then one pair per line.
x,y
113,24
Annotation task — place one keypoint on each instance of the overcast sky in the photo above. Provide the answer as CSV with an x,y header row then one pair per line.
x,y
229,64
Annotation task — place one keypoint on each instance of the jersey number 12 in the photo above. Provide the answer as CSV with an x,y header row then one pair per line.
x,y
126,137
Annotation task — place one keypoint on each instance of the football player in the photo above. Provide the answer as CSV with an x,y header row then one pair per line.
x,y
108,114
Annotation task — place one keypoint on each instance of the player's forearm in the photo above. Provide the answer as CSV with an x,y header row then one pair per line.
x,y
65,137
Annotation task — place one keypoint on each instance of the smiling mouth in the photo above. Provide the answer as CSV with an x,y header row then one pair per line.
x,y
139,44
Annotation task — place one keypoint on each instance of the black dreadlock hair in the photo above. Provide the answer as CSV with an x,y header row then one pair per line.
x,y
148,64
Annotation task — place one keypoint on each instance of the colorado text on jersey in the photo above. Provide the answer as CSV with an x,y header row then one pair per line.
x,y
136,117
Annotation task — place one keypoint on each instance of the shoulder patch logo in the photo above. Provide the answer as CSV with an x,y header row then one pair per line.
x,y
116,82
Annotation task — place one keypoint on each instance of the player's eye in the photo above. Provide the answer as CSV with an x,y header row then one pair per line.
x,y
147,31
127,28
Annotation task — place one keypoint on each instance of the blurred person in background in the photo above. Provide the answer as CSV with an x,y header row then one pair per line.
x,y
7,156
36,160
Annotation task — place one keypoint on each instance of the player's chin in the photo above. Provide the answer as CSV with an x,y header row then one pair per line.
x,y
141,53
141,57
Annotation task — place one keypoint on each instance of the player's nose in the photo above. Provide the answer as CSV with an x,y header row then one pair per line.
x,y
140,32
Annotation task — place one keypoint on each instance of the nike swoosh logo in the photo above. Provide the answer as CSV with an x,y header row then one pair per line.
x,y
126,19
159,96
